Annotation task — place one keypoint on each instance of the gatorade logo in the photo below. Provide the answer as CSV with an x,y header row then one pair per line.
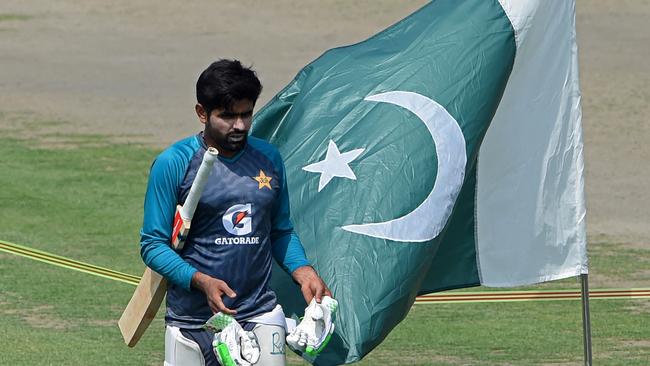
x,y
238,219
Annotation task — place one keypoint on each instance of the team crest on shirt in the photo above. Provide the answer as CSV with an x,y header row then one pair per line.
x,y
238,220
263,180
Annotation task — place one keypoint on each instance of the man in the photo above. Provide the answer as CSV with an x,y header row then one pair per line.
x,y
241,222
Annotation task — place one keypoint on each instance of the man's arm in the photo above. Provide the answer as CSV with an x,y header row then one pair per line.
x,y
311,285
159,209
164,179
289,252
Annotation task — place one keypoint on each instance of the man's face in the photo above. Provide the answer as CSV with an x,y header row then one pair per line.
x,y
227,129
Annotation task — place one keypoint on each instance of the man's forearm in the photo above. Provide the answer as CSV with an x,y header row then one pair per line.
x,y
311,285
166,262
200,281
288,251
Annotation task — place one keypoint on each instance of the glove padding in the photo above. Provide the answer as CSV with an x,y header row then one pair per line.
x,y
232,344
314,331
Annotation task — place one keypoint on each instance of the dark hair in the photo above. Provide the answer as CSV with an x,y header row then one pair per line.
x,y
225,82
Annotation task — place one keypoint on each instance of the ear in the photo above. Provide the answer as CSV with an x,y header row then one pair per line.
x,y
201,113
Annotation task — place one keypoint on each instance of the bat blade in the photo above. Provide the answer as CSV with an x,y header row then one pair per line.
x,y
143,306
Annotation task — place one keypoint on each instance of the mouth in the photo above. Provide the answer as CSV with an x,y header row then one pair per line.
x,y
237,137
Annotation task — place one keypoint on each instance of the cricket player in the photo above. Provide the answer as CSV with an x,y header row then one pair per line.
x,y
241,222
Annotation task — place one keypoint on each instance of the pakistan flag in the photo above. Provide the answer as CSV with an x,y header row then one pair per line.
x,y
444,152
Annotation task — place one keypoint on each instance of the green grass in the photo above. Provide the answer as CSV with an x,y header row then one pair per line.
x,y
10,17
84,201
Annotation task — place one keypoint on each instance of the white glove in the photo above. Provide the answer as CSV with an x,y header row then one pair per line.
x,y
232,344
314,331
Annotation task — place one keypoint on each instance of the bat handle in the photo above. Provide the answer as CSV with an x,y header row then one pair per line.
x,y
210,156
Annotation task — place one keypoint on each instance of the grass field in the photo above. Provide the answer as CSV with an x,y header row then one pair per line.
x,y
81,198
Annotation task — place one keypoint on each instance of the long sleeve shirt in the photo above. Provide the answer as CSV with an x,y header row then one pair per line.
x,y
242,221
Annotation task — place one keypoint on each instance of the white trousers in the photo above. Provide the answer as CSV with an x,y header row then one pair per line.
x,y
271,339
181,351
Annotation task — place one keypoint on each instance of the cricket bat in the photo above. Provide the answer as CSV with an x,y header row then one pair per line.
x,y
148,296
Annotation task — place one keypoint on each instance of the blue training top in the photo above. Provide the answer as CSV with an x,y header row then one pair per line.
x,y
239,224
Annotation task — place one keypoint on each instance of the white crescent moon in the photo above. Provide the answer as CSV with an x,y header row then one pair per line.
x,y
430,217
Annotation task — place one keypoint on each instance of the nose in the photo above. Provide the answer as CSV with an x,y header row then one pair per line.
x,y
239,124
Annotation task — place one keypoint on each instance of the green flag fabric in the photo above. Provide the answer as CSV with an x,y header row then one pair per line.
x,y
386,145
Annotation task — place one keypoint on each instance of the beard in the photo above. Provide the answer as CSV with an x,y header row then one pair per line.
x,y
235,141
232,142
229,142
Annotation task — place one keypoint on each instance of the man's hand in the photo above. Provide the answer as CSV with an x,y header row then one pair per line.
x,y
214,289
314,331
311,285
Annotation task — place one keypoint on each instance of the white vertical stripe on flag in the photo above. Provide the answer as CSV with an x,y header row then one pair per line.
x,y
530,212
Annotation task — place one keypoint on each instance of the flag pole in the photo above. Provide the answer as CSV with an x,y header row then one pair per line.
x,y
586,321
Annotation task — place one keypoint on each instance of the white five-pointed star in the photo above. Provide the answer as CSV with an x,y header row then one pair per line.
x,y
334,165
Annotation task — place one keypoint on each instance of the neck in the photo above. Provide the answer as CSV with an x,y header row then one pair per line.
x,y
211,143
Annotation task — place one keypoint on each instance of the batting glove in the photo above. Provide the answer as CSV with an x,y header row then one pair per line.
x,y
232,344
314,331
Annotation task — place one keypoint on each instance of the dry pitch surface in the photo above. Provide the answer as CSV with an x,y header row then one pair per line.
x,y
127,69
